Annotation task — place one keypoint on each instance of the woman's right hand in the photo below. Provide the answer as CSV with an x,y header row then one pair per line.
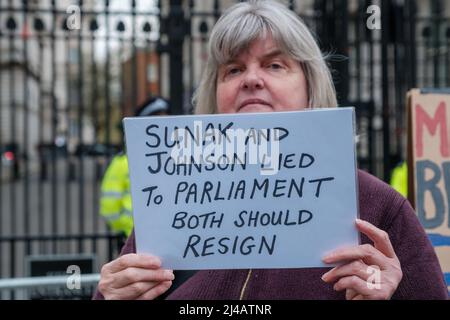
x,y
134,276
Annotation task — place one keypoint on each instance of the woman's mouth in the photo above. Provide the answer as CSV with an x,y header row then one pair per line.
x,y
254,105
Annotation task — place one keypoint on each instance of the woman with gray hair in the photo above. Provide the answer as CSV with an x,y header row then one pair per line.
x,y
262,58
240,26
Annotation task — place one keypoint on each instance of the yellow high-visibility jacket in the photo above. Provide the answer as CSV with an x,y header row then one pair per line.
x,y
399,179
115,199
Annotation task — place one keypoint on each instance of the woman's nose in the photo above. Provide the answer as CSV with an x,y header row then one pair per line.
x,y
252,80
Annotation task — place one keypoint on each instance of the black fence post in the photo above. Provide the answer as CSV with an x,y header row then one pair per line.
x,y
385,37
176,32
437,22
412,24
333,34
341,24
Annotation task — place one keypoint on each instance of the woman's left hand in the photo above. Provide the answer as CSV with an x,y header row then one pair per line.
x,y
366,272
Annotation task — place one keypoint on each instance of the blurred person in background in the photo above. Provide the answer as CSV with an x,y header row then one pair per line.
x,y
115,199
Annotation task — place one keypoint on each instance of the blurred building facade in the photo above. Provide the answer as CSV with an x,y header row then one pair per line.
x,y
37,67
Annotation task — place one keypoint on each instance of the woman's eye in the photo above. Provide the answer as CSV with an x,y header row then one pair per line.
x,y
275,66
233,71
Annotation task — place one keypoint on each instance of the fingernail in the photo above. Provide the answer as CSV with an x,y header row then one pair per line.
x,y
155,262
169,274
324,276
359,221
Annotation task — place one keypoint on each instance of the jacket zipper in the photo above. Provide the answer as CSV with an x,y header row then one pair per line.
x,y
249,274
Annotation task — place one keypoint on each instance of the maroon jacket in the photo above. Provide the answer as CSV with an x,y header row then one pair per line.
x,y
380,205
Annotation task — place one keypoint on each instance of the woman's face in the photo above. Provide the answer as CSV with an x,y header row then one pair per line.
x,y
261,79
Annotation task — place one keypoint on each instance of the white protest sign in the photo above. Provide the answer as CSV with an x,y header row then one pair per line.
x,y
266,190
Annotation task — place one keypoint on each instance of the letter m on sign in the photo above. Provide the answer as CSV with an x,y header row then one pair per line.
x,y
432,123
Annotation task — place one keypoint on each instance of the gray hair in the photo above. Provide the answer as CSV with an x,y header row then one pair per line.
x,y
245,22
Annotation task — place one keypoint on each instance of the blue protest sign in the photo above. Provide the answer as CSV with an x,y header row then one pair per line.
x,y
266,190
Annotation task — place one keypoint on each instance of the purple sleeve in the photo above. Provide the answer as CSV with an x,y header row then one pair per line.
x,y
422,274
129,247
